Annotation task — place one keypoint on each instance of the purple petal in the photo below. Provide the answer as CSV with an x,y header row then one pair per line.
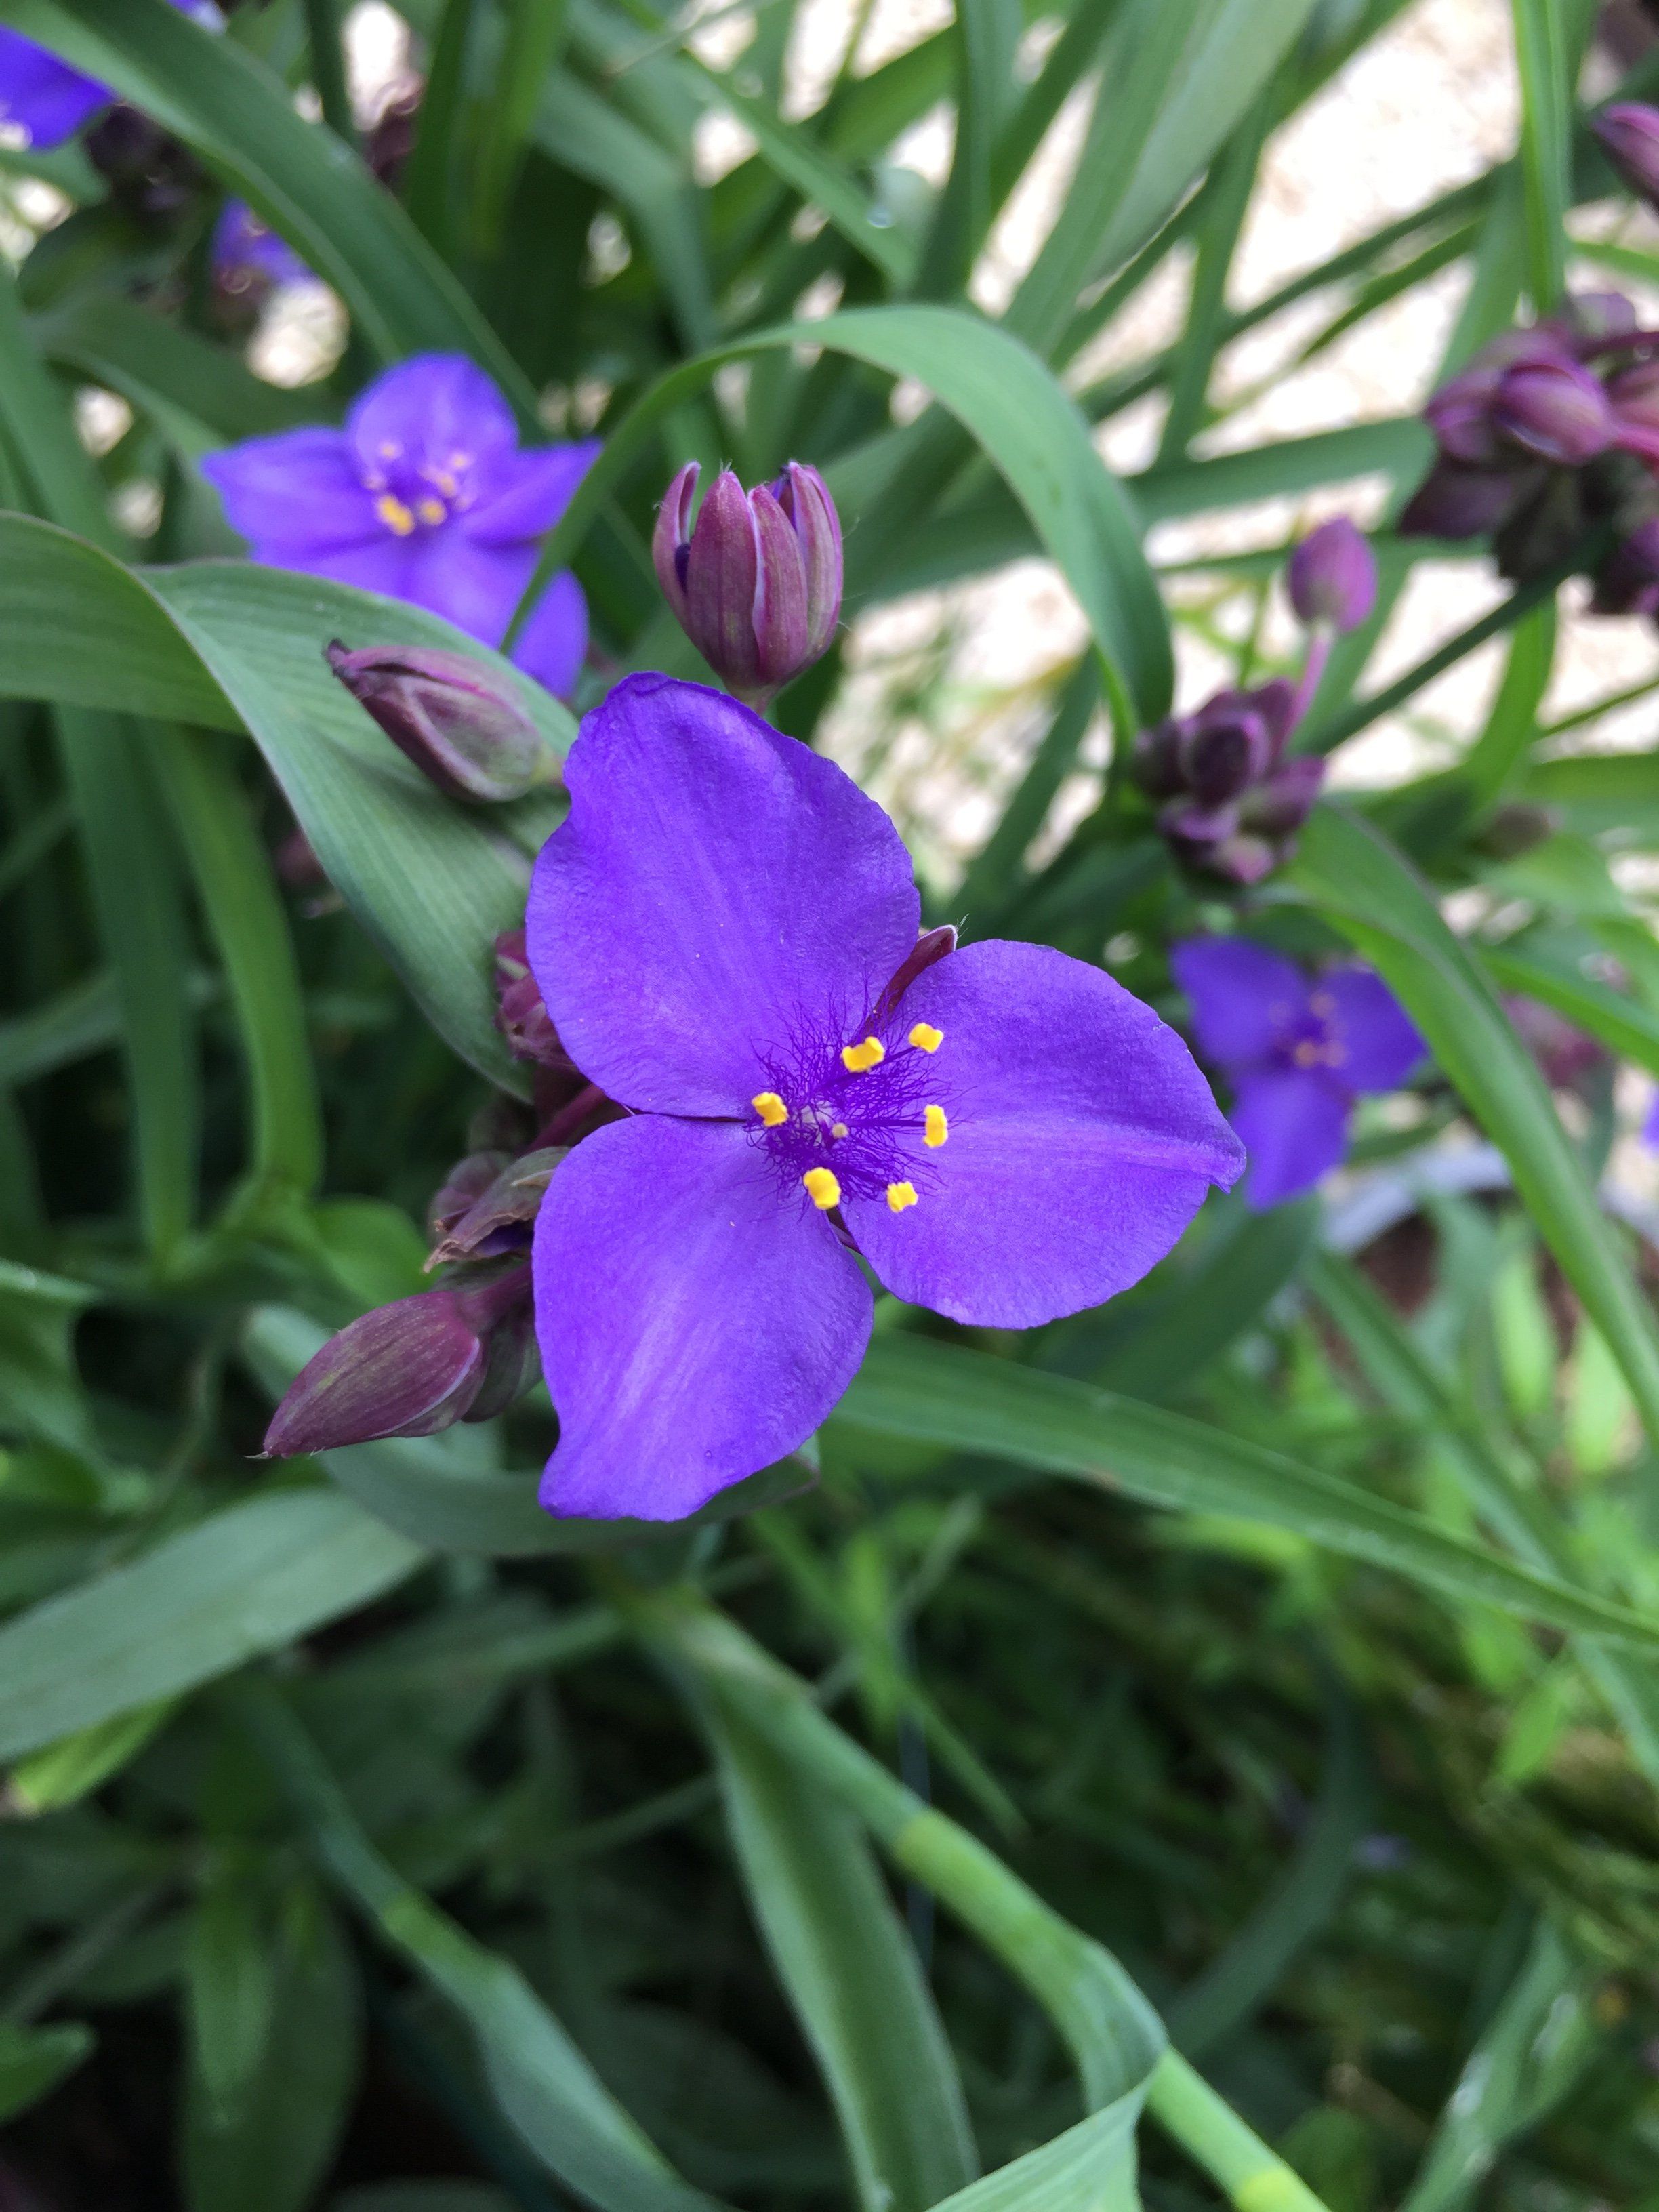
x,y
1294,1126
715,887
1241,994
380,563
553,643
1651,1126
1082,1139
293,494
1379,1044
696,1322
525,493
438,412
475,586
46,97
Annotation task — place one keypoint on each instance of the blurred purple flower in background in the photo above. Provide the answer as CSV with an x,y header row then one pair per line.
x,y
248,256
724,932
1297,1050
425,496
47,99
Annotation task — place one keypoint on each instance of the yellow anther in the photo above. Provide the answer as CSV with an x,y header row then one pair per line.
x,y
1306,1055
433,511
936,1128
822,1187
446,483
390,450
901,1195
1322,1003
770,1108
395,515
838,1128
926,1037
858,1058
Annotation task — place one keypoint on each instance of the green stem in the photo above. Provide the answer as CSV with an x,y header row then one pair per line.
x,y
1251,2177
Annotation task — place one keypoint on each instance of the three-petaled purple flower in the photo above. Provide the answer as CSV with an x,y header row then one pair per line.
x,y
426,495
46,98
724,932
1297,1050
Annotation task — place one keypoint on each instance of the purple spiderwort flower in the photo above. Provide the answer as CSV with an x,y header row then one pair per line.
x,y
249,257
48,99
725,932
1297,1050
756,584
426,495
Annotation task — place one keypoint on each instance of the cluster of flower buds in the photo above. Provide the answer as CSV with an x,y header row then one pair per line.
x,y
465,728
1230,797
756,584
464,1351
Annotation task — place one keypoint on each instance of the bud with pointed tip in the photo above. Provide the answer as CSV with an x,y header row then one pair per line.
x,y
1332,576
756,583
405,1370
1629,132
1558,410
465,728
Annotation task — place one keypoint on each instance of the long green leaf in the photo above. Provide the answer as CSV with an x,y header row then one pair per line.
x,y
969,1401
248,1580
847,1962
1374,897
1090,2168
232,645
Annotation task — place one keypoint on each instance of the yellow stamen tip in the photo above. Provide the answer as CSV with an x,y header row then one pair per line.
x,y
770,1108
858,1059
395,515
838,1129
901,1195
822,1187
936,1127
433,511
926,1037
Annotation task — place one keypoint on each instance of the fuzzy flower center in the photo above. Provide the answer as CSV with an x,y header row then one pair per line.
x,y
1310,1037
410,496
853,1115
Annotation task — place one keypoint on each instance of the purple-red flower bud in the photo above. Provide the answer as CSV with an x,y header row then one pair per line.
x,y
1457,500
463,728
520,1016
1629,131
1332,576
1558,410
756,584
1627,581
406,1370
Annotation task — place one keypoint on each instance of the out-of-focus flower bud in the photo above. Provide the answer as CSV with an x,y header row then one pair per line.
x,y
463,727
1514,827
1629,132
1545,526
520,1016
1232,802
1564,1054
1627,581
1332,576
1555,409
756,583
1457,500
406,1370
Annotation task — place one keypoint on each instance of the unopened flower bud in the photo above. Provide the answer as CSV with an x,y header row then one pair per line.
x,y
1457,501
463,728
1629,132
520,1015
1332,576
406,1370
1555,409
756,584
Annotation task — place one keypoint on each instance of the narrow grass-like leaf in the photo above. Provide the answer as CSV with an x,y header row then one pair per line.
x,y
1540,56
1090,2168
846,1960
247,1580
969,1401
1372,894
1622,1023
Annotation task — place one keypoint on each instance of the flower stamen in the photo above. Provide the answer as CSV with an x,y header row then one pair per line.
x,y
936,1127
395,515
432,512
901,1196
858,1059
926,1037
822,1187
770,1108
